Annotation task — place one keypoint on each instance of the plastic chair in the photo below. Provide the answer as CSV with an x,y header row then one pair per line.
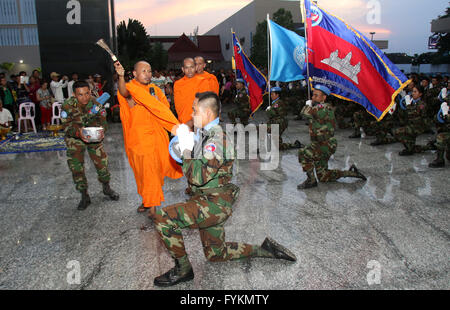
x,y
27,107
56,113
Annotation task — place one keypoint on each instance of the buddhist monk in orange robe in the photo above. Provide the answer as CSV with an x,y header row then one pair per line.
x,y
185,90
200,65
145,119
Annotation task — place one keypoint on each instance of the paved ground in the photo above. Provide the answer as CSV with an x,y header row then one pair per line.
x,y
396,224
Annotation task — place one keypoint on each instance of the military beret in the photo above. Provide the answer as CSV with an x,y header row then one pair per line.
x,y
323,89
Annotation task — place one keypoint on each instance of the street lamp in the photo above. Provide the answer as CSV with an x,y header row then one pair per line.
x,y
372,33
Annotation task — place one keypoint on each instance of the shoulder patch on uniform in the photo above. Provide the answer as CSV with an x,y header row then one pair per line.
x,y
210,147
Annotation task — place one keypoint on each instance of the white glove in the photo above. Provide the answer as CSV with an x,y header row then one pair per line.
x,y
309,103
392,110
408,100
444,93
403,94
183,130
186,142
268,108
444,107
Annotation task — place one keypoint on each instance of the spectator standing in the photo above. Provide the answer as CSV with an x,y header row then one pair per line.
x,y
159,80
57,86
7,97
70,84
45,100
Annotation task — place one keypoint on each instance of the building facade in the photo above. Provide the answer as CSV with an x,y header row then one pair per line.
x,y
19,40
57,36
244,23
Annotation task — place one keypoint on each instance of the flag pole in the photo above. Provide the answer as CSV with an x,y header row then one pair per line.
x,y
269,51
234,56
303,13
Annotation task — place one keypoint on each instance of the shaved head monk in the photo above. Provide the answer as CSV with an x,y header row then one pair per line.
x,y
146,118
200,65
185,90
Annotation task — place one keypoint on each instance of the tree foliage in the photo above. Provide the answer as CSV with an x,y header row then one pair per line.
x,y
134,45
259,45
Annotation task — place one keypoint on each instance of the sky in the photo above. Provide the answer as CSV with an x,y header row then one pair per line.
x,y
405,23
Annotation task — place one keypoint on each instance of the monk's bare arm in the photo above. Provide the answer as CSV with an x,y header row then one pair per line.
x,y
121,83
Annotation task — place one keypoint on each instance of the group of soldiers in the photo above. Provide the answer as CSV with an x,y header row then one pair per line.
x,y
210,175
420,108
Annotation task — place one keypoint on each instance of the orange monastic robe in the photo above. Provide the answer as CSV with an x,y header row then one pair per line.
x,y
212,80
147,142
184,95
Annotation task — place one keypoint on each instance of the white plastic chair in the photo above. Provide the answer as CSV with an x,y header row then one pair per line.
x,y
56,116
27,107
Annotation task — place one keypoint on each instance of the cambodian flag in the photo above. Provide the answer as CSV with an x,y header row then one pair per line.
x,y
256,81
348,63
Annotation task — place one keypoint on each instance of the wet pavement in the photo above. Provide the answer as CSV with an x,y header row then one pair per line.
x,y
389,232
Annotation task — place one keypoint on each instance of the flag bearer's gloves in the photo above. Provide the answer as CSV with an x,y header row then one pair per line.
x,y
444,108
408,100
309,103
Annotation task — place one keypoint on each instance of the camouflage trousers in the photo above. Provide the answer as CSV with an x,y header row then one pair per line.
x,y
443,141
207,213
382,128
407,136
282,122
364,120
75,160
241,114
315,157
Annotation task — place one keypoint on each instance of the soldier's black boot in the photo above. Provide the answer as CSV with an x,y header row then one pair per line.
x,y
182,272
298,144
407,151
356,134
277,250
85,200
439,162
309,183
109,192
358,174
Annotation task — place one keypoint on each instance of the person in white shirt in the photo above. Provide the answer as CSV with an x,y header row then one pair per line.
x,y
70,84
5,116
57,86
159,80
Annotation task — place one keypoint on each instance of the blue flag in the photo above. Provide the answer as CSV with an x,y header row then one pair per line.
x,y
288,54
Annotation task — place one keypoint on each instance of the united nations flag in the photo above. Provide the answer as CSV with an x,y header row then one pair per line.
x,y
288,60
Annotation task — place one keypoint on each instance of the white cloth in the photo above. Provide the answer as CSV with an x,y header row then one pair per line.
x,y
309,103
5,116
57,91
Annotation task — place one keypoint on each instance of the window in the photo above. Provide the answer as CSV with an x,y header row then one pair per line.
x,y
8,12
30,36
28,11
10,37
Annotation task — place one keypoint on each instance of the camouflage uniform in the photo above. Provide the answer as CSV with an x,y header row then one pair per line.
x,y
209,208
243,108
277,114
79,116
432,104
362,119
322,124
381,130
416,125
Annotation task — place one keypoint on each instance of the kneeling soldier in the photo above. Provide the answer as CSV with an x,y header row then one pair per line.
x,y
322,124
209,174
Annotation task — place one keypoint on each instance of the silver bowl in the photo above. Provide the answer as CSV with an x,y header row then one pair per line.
x,y
93,134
